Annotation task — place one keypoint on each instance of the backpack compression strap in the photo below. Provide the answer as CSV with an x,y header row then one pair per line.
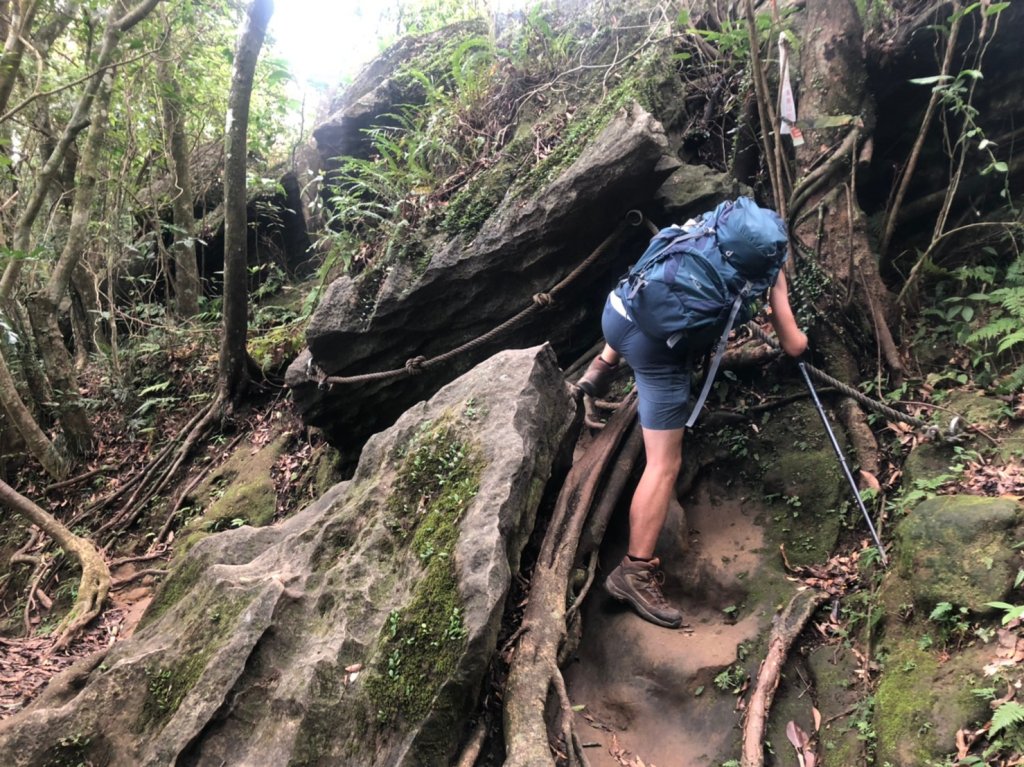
x,y
709,378
637,282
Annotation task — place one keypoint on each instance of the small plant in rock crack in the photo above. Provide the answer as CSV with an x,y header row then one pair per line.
x,y
953,623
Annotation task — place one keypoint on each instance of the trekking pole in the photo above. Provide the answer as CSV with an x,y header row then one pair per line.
x,y
842,461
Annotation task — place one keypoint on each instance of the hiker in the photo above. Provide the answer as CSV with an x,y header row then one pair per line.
x,y
663,373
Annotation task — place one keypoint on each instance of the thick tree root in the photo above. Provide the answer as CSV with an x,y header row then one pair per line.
x,y
786,627
95,583
534,677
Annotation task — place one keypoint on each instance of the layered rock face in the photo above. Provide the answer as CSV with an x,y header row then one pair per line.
x,y
356,632
469,287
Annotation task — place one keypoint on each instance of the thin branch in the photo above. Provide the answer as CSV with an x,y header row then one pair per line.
x,y
43,94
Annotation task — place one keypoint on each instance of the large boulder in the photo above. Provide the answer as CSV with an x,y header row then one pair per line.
x,y
960,549
471,286
380,90
356,632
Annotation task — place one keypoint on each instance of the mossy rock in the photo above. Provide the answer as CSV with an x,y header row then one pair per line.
x,y
803,476
921,702
959,549
927,462
241,492
977,409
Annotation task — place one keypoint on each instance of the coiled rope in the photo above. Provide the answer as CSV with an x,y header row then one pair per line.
x,y
540,301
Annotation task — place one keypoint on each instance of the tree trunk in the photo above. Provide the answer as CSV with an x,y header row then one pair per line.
x,y
37,442
834,77
233,354
84,310
116,26
186,270
14,48
44,306
95,582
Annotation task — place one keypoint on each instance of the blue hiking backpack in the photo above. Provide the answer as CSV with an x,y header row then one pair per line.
x,y
695,282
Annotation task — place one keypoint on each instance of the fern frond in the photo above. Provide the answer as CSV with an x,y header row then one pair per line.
x,y
1013,382
1011,298
995,329
1010,341
1009,714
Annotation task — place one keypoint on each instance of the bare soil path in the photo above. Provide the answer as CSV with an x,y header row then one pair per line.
x,y
648,693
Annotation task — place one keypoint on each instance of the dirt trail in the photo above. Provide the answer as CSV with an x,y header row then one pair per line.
x,y
649,692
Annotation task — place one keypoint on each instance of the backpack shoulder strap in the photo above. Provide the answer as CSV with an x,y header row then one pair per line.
x,y
709,378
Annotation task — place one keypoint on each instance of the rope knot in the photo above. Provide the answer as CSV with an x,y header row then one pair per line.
x,y
317,373
414,365
543,300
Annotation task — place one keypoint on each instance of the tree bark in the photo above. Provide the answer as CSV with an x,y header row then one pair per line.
x,y
36,441
183,251
116,26
233,354
834,77
44,306
14,48
95,582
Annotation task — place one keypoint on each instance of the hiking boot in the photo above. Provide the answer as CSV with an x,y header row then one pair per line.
x,y
598,377
639,584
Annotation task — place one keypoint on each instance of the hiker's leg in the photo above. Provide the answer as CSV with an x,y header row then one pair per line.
x,y
647,512
609,355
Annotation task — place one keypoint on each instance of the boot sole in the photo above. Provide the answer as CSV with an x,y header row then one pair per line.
x,y
641,609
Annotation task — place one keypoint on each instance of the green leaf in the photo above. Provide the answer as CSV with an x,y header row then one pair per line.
x,y
931,80
162,386
995,8
1011,340
1007,715
942,609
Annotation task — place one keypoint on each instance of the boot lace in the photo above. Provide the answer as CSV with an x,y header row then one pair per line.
x,y
650,584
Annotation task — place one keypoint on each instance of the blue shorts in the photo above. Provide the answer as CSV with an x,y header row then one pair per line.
x,y
662,374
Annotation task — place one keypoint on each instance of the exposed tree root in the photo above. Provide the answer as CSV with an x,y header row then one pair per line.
x,y
162,469
534,675
474,746
865,446
95,582
786,627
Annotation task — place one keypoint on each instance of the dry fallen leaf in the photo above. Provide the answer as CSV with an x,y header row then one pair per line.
x,y
871,480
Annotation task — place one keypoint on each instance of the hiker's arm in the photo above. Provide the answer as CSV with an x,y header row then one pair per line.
x,y
791,338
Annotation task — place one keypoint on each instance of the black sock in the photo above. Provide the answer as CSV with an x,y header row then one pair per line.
x,y
638,559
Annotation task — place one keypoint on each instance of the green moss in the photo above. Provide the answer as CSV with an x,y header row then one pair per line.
x,y
900,711
239,492
643,83
419,646
167,685
178,583
275,348
474,203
